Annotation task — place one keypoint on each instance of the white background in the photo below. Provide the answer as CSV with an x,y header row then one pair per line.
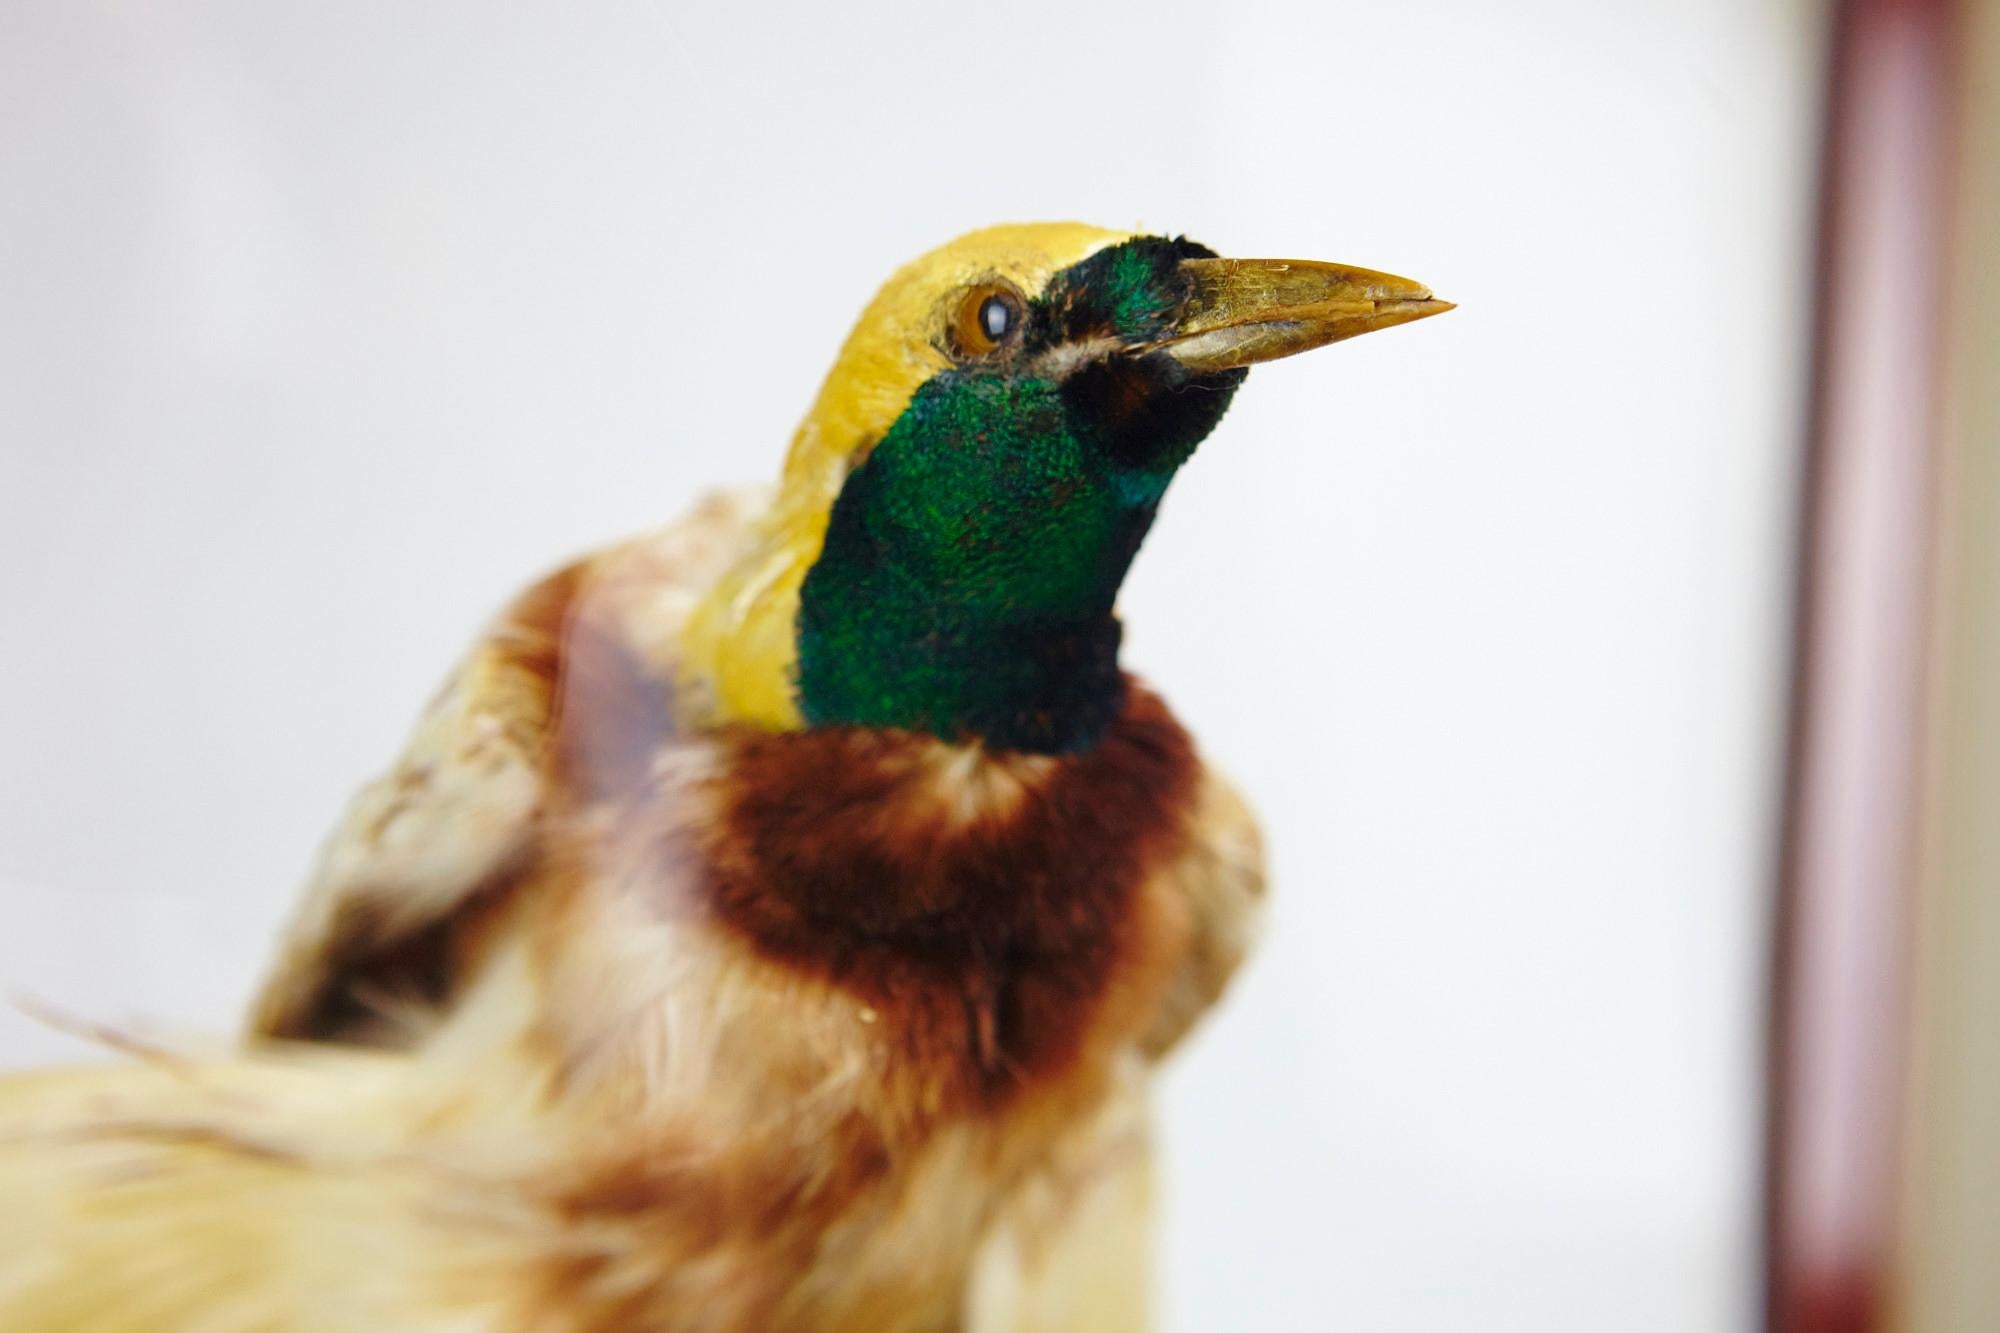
x,y
324,327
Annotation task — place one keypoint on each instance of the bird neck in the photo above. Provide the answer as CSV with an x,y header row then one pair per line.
x,y
965,584
874,653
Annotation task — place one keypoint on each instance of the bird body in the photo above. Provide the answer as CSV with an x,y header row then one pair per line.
x,y
774,921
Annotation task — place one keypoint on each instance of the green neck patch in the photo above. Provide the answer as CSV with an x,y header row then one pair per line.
x,y
970,564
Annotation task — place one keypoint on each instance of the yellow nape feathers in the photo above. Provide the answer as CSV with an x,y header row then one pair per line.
x,y
739,648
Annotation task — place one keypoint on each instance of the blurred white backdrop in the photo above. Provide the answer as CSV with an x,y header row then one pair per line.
x,y
322,328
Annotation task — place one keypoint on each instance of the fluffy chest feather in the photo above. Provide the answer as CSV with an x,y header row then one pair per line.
x,y
990,923
845,994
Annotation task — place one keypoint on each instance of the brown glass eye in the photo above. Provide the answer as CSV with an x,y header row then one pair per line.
x,y
987,316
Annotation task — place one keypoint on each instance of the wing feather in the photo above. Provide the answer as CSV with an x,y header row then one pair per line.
x,y
454,824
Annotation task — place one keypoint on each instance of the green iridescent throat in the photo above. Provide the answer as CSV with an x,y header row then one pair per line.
x,y
971,562
970,565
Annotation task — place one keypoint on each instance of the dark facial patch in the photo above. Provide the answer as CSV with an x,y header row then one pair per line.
x,y
1149,412
1132,292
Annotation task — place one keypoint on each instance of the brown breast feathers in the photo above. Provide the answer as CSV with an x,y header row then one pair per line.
x,y
983,905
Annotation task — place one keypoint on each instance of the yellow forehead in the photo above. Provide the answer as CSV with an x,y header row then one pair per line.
x,y
894,348
739,648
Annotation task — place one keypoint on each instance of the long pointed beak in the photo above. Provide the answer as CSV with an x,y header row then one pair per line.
x,y
1243,311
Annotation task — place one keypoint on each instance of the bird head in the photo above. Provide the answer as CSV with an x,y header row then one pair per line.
x,y
960,505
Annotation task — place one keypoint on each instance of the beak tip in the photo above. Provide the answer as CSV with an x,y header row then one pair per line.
x,y
1411,308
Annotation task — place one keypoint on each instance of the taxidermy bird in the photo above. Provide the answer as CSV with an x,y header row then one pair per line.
x,y
774,922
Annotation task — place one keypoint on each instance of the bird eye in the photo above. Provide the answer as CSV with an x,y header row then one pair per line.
x,y
995,317
986,317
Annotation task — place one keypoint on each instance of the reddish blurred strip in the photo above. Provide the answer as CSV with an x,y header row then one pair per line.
x,y
1849,869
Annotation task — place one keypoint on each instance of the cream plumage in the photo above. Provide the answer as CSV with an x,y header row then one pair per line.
x,y
715,958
